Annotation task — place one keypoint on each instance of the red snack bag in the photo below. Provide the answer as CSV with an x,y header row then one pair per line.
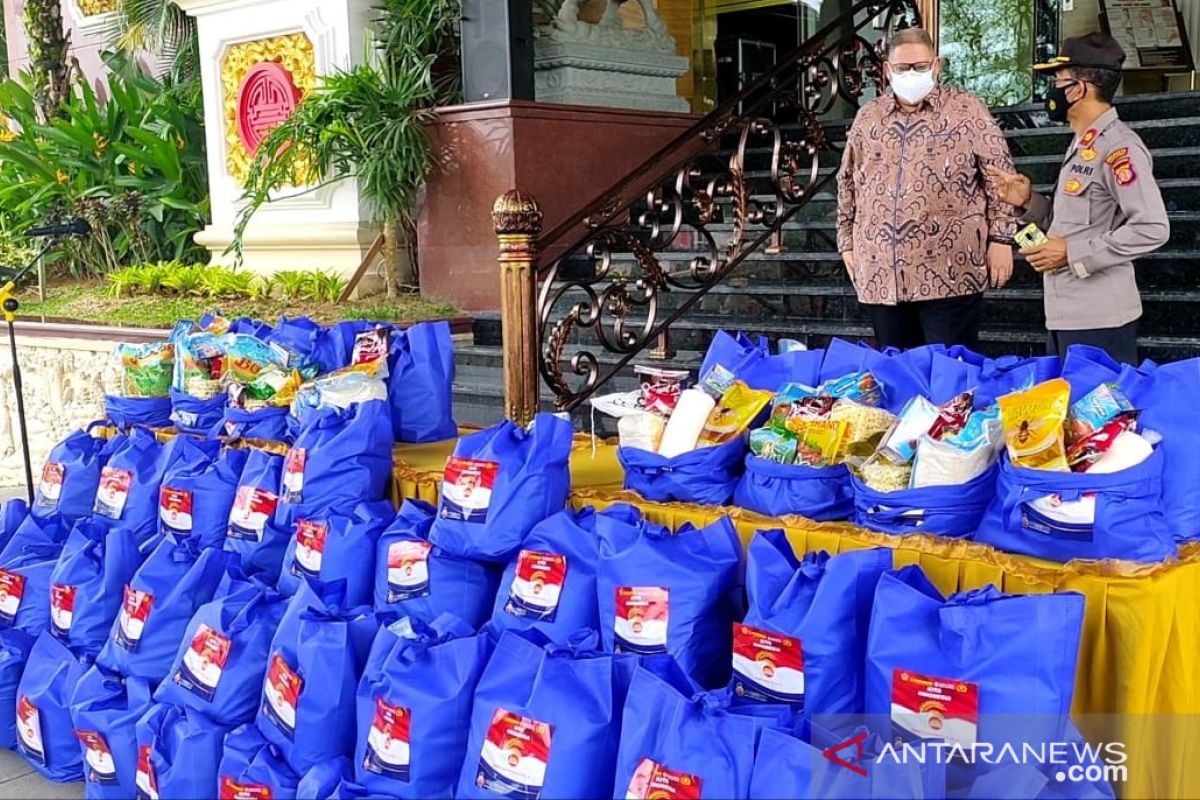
x,y
1086,451
952,416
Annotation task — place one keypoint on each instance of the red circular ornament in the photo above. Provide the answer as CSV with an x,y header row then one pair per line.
x,y
266,98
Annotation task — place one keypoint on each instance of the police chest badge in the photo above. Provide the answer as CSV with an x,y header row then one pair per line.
x,y
1073,186
1088,154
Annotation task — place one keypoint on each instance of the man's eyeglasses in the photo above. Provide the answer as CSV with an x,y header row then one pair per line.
x,y
919,66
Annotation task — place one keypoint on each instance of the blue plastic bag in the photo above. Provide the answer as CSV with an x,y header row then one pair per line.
x,y
222,659
979,667
671,592
551,584
752,363
86,584
127,412
178,753
25,569
14,512
954,512
45,733
501,482
707,475
804,638
414,706
194,416
14,652
324,778
335,546
197,492
821,494
903,375
340,458
269,423
316,656
104,708
299,343
252,533
157,604
252,767
555,707
1061,516
71,475
959,370
413,578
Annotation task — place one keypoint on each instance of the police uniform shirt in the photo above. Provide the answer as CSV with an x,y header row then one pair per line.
x,y
1108,209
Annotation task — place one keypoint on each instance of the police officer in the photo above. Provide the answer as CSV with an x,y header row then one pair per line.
x,y
1107,209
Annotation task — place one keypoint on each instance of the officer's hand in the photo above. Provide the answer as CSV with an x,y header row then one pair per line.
x,y
1013,189
999,263
1048,257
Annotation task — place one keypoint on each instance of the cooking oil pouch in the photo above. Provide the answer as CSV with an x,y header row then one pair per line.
x,y
771,445
1033,425
736,412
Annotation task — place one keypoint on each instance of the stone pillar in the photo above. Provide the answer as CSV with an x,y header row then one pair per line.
x,y
518,222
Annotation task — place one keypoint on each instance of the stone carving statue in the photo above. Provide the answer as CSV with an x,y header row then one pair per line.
x,y
610,31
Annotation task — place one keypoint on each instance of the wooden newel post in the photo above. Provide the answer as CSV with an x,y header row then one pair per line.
x,y
518,222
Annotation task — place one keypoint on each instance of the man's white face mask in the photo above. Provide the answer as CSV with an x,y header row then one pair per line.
x,y
912,86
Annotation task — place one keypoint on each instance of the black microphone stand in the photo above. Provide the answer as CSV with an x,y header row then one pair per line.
x,y
8,300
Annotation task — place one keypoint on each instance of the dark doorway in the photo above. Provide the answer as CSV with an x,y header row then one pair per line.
x,y
749,43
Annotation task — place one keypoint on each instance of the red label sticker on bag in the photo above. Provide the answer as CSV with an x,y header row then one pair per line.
x,y
924,707
49,491
113,492
12,589
145,783
388,750
310,548
281,694
29,730
293,475
371,347
515,754
653,781
62,609
175,511
408,570
101,768
131,619
767,667
537,585
641,623
236,790
252,508
203,662
467,489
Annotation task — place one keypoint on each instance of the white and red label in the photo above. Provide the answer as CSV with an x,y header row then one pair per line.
x,y
653,781
310,548
767,667
537,585
236,790
293,475
252,509
204,662
113,492
408,570
145,782
49,491
516,752
281,694
62,609
29,730
175,511
98,757
371,347
388,741
641,621
467,489
12,590
131,619
925,707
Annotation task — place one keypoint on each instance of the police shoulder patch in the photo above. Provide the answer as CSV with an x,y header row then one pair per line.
x,y
1124,173
1088,137
1117,155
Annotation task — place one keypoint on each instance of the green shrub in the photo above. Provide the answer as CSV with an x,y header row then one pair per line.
x,y
224,282
293,284
325,287
186,280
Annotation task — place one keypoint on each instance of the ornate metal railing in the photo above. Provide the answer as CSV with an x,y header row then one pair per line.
x,y
604,290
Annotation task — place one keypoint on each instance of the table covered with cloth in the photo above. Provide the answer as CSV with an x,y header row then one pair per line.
x,y
1138,680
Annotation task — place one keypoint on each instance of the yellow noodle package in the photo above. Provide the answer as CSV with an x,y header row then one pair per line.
x,y
1033,425
737,410
822,443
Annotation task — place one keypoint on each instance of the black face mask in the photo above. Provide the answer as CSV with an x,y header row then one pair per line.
x,y
1057,104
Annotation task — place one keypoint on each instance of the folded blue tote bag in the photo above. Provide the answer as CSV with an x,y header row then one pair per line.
x,y
335,546
269,423
197,416
954,512
157,604
222,658
25,569
414,578
251,532
252,767
87,582
316,657
707,475
959,370
751,361
197,492
1062,516
302,344
501,482
105,708
550,585
978,667
127,412
45,732
12,514
71,475
324,778
340,457
179,751
823,494
14,652
677,592
546,719
414,706
803,640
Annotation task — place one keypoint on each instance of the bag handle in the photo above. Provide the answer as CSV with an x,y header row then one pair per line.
x,y
583,642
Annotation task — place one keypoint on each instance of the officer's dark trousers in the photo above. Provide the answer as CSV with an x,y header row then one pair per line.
x,y
1120,343
954,320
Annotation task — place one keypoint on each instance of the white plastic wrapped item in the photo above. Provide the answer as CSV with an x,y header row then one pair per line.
x,y
641,431
944,464
1127,451
339,390
687,422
